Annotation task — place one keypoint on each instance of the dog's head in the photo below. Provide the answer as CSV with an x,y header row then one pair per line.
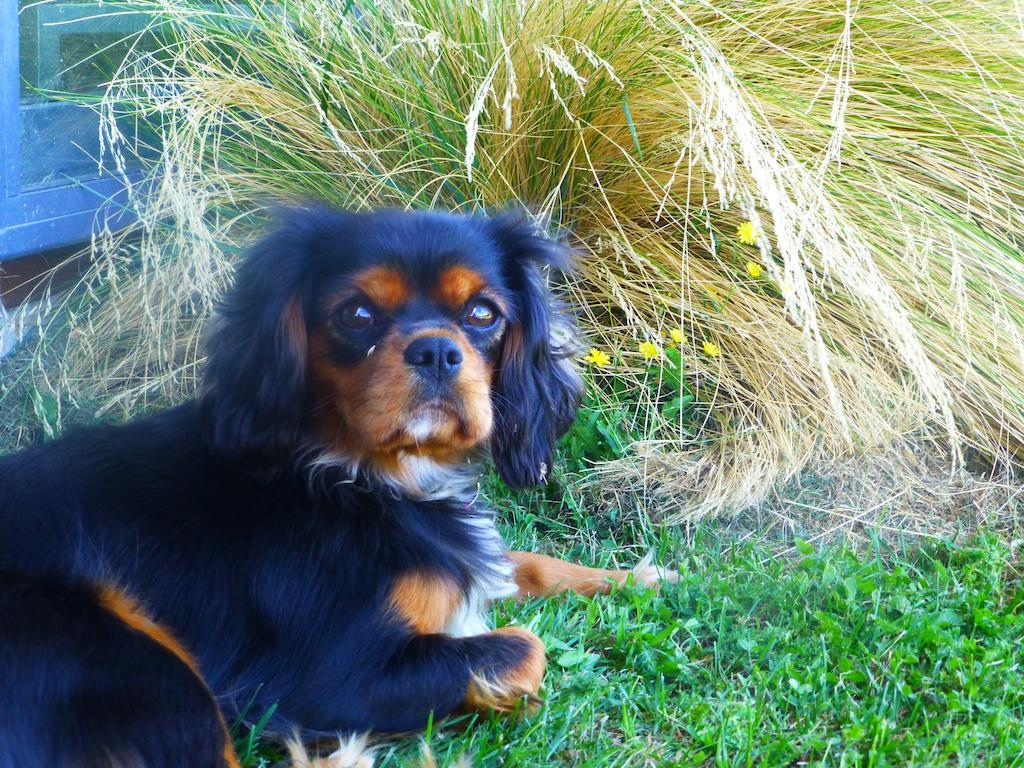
x,y
395,341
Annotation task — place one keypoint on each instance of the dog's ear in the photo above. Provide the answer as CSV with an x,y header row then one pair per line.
x,y
254,387
537,388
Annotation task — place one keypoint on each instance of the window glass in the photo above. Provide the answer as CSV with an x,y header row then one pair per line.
x,y
67,51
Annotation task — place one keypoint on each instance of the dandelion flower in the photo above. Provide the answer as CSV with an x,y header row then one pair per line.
x,y
711,349
754,269
746,233
597,358
650,350
677,335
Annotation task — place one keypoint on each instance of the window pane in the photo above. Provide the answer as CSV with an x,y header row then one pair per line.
x,y
69,48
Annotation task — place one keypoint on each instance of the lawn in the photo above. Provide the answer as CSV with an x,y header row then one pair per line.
x,y
889,655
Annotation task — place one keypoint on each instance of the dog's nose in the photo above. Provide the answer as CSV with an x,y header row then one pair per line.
x,y
435,358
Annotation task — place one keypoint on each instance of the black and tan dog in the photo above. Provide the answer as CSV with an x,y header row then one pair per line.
x,y
304,535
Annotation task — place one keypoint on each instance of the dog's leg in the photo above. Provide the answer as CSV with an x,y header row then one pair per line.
x,y
437,673
87,679
541,576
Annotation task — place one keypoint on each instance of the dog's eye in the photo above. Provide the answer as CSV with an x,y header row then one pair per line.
x,y
481,314
356,315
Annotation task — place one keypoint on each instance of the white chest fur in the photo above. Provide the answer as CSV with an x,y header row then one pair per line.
x,y
492,578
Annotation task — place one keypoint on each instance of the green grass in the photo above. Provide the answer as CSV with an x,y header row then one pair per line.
x,y
887,656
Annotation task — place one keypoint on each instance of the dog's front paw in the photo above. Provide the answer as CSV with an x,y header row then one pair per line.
x,y
506,688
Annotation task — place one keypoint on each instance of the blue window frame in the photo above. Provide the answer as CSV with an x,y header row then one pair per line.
x,y
52,193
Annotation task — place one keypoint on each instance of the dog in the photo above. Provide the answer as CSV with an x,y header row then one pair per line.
x,y
304,538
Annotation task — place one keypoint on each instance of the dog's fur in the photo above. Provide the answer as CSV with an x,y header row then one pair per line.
x,y
306,534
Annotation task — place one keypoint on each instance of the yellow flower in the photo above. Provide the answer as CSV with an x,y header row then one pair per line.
x,y
711,349
754,269
650,350
677,335
746,233
598,358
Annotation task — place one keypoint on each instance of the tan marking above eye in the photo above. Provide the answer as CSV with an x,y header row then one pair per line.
x,y
457,285
386,287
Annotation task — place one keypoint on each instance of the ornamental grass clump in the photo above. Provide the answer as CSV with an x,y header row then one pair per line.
x,y
818,204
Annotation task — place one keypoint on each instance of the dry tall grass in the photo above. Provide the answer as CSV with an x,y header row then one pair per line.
x,y
875,145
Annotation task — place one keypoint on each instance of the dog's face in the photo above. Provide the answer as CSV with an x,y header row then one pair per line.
x,y
406,342
394,341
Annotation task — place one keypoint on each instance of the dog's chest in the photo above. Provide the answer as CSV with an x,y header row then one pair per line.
x,y
442,559
468,569
491,578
